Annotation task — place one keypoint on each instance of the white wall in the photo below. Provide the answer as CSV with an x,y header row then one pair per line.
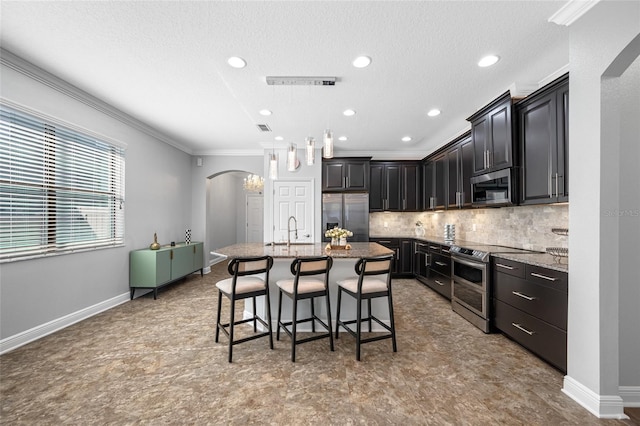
x,y
597,38
36,292
629,226
222,211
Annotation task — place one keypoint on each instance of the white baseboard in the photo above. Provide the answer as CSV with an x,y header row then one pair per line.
x,y
12,342
630,395
601,406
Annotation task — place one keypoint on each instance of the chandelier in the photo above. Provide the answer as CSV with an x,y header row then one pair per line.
x,y
253,183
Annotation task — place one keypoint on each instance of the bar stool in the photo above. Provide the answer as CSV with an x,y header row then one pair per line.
x,y
367,286
301,287
245,283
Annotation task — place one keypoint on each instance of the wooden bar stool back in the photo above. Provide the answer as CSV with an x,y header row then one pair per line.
x,y
368,285
249,279
306,284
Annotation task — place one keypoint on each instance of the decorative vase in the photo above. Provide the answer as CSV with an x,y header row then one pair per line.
x,y
343,241
154,245
334,241
187,236
419,231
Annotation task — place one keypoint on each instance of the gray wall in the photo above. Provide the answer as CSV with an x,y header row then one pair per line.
x,y
35,292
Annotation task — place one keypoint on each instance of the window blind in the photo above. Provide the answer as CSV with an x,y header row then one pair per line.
x,y
60,190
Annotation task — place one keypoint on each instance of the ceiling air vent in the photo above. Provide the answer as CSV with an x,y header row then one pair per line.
x,y
301,81
263,127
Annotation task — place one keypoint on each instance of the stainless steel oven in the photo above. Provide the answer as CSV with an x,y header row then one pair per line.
x,y
470,278
470,289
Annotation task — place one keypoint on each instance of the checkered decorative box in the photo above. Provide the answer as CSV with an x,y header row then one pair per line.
x,y
187,236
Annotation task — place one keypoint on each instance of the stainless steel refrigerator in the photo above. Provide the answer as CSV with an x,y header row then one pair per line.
x,y
346,210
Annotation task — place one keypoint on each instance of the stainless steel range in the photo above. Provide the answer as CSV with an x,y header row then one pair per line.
x,y
470,279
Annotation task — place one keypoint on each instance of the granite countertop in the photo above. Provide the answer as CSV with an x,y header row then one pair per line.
x,y
303,250
544,260
537,259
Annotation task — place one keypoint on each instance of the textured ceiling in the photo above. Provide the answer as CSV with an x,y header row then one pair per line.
x,y
164,63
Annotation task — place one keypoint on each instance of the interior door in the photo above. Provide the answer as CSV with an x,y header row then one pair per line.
x,y
255,214
293,198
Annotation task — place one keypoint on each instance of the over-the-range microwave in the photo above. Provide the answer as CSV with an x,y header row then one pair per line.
x,y
493,189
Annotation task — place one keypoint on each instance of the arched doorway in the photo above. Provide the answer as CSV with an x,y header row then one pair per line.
x,y
233,214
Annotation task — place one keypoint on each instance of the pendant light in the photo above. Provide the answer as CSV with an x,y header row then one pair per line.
x,y
273,166
311,153
292,157
328,144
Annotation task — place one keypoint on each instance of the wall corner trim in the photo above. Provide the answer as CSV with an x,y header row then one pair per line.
x,y
572,11
601,406
13,342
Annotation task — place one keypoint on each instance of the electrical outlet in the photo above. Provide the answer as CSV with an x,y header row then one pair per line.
x,y
473,227
386,224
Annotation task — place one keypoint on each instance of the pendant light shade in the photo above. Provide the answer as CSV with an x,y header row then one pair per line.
x,y
292,157
273,166
328,144
311,153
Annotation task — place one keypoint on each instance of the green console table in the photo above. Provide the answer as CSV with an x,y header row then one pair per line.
x,y
156,268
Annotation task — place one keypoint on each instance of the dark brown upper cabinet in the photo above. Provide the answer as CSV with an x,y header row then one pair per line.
x,y
345,174
543,136
492,133
395,186
459,172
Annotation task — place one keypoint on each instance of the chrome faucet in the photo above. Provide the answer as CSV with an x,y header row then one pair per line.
x,y
295,222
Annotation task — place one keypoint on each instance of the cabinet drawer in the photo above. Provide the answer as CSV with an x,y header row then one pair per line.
x,y
547,277
441,264
545,340
438,283
542,302
508,267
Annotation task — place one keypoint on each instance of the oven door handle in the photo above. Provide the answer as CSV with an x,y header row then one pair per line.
x,y
469,262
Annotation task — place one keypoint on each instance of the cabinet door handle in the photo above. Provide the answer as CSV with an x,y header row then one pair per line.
x,y
404,204
524,296
438,282
500,265
557,184
171,255
549,190
533,274
434,247
384,241
441,263
521,328
446,250
348,182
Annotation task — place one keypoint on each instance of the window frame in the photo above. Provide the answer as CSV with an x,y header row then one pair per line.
x,y
81,172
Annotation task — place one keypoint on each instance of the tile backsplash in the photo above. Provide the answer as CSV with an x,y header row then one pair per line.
x,y
526,227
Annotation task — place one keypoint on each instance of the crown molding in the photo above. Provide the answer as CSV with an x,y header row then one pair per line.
x,y
16,63
572,11
231,152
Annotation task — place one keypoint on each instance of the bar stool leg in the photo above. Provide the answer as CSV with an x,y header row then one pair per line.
x,y
369,312
313,315
294,318
232,320
269,317
358,327
218,315
279,315
255,322
392,323
329,321
338,312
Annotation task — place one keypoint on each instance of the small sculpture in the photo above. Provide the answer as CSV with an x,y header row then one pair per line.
x,y
154,245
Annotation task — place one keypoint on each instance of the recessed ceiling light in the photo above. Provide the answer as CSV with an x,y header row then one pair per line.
x,y
361,62
265,112
237,62
489,60
342,138
349,112
279,138
434,112
406,139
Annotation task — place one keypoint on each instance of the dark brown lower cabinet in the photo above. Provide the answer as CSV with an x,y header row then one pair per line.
x,y
530,306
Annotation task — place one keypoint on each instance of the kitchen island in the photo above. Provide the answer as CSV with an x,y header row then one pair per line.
x,y
343,266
